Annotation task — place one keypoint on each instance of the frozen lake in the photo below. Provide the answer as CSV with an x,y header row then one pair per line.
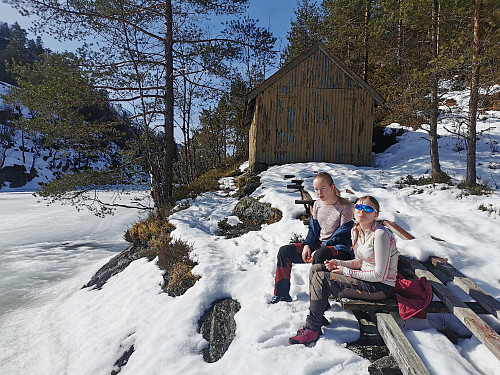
x,y
41,245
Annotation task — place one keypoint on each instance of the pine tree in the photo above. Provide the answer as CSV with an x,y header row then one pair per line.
x,y
304,30
138,61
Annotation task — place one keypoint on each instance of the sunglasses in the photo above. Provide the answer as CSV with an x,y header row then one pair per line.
x,y
364,207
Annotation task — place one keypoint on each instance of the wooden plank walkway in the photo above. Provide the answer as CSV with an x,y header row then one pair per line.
x,y
468,286
469,318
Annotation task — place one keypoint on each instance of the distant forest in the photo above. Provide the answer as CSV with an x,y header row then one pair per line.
x,y
15,46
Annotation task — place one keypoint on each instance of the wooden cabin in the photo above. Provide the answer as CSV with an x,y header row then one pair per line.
x,y
313,109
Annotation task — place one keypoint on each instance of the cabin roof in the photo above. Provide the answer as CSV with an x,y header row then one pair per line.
x,y
292,64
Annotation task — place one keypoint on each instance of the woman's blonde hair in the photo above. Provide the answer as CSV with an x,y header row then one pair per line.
x,y
326,176
377,210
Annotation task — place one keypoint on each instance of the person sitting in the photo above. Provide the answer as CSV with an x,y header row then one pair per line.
x,y
328,237
371,275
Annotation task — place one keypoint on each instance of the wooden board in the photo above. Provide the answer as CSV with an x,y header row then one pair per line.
x,y
392,305
468,286
406,357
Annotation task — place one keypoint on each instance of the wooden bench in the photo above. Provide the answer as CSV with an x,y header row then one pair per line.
x,y
306,197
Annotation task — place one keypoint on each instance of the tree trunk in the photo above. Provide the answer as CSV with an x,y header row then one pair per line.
x,y
400,35
166,183
470,178
365,41
434,110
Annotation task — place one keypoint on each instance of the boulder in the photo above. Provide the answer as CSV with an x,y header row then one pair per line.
x,y
250,210
116,264
218,327
252,214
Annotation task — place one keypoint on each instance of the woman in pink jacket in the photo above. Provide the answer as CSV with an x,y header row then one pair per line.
x,y
371,275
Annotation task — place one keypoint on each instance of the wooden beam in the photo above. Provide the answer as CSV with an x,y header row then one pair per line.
x,y
471,320
396,229
391,305
405,355
304,201
468,286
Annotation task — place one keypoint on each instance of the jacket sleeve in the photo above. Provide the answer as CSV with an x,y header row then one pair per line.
x,y
341,236
313,233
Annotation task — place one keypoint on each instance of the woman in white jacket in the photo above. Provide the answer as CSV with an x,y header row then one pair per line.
x,y
371,275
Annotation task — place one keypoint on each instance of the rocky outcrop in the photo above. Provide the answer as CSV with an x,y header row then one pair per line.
x,y
122,361
218,327
250,210
16,175
116,265
252,214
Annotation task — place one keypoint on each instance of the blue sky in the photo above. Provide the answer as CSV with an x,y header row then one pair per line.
x,y
273,13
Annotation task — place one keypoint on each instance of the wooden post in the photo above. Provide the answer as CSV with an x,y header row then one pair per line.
x,y
406,357
396,229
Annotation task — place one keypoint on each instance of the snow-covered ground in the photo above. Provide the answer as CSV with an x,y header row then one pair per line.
x,y
69,330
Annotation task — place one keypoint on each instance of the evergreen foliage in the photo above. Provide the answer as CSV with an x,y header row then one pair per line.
x,y
304,30
158,58
404,49
16,48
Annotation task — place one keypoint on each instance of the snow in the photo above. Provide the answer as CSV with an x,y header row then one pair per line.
x,y
63,329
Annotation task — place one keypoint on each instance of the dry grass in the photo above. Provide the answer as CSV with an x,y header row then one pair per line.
x,y
181,279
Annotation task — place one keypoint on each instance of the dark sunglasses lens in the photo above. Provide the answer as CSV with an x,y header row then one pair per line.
x,y
364,207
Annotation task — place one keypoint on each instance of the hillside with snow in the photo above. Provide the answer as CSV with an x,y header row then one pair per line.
x,y
27,162
65,329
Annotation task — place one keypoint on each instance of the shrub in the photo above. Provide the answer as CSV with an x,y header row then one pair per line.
x,y
154,232
173,252
490,208
173,258
181,279
296,238
478,189
409,180
247,184
151,232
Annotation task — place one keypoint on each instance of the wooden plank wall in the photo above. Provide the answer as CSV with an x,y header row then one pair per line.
x,y
315,112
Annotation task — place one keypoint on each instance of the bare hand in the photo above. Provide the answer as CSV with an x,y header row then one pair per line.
x,y
330,265
339,270
306,254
